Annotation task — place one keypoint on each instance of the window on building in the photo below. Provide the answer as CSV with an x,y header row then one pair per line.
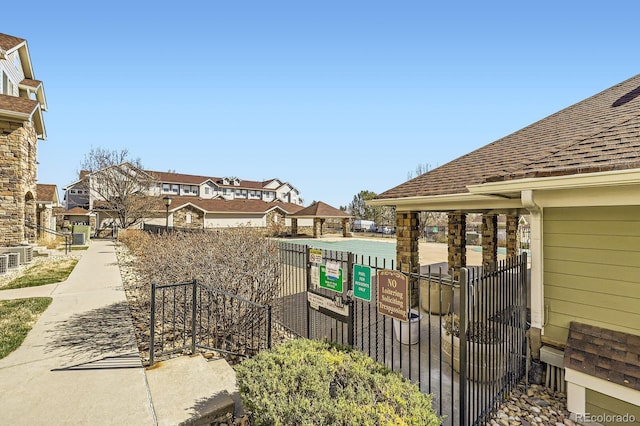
x,y
166,187
187,218
175,189
206,190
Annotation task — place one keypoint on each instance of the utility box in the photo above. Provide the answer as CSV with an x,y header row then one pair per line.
x,y
78,239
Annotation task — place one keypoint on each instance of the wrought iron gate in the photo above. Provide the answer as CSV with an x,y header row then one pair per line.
x,y
466,368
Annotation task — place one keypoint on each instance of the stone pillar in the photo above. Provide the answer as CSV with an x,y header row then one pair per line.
x,y
407,250
317,227
294,227
457,242
346,230
512,235
489,240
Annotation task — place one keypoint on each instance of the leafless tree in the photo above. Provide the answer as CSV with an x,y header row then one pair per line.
x,y
118,185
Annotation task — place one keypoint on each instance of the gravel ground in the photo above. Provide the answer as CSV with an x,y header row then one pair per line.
x,y
533,405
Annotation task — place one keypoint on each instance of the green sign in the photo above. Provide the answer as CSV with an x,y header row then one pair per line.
x,y
331,280
362,282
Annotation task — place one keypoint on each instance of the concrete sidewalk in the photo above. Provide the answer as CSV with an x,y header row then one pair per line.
x,y
79,365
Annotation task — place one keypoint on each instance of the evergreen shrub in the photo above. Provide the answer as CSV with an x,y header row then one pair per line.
x,y
310,382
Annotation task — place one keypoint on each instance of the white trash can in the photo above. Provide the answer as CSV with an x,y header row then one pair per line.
x,y
408,332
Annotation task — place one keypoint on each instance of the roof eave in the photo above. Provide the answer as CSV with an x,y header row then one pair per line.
x,y
573,181
450,202
34,116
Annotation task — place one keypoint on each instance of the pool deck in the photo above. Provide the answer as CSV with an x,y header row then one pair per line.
x,y
430,253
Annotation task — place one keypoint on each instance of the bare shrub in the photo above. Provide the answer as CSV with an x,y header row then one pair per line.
x,y
240,261
136,240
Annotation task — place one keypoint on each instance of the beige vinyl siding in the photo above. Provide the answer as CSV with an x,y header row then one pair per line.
x,y
599,404
591,269
16,75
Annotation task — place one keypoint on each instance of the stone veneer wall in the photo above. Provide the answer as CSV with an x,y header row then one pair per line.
x,y
489,240
180,218
276,223
407,249
512,235
18,167
46,221
457,242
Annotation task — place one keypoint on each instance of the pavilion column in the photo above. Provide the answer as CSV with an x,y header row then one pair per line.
x,y
294,226
512,235
407,250
489,240
346,230
457,243
317,227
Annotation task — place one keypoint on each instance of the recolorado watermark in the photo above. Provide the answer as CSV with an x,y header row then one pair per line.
x,y
604,418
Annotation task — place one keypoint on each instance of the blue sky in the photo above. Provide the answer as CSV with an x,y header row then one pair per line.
x,y
334,97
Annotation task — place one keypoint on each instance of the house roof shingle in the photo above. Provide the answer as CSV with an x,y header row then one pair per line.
x,y
220,205
19,105
606,354
8,42
31,83
320,209
172,177
46,192
596,134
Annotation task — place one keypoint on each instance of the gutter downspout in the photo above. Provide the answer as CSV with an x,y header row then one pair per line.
x,y
537,272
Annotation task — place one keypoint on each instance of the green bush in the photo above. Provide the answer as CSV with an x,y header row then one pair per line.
x,y
308,382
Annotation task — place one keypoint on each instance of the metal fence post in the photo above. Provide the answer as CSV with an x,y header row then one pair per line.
x,y
307,264
349,301
464,288
269,326
193,317
152,330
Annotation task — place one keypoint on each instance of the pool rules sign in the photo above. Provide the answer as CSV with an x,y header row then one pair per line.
x,y
393,294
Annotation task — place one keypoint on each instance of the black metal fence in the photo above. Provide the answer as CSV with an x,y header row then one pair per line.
x,y
466,368
191,316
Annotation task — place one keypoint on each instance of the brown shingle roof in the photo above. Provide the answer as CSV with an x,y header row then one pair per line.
x,y
220,205
179,177
596,134
77,211
606,354
320,209
8,42
31,83
171,177
46,192
17,104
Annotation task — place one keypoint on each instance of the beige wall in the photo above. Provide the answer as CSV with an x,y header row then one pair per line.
x,y
591,269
